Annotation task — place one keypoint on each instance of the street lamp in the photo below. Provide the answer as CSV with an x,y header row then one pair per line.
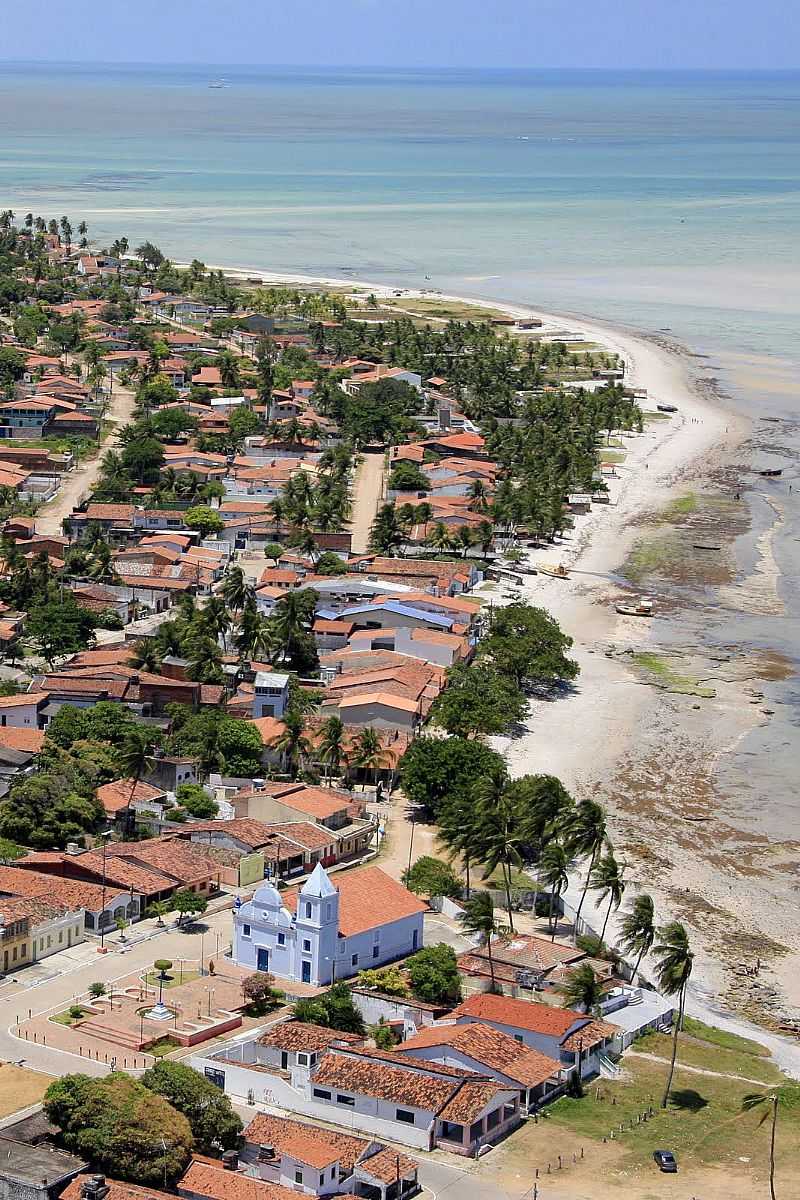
x,y
105,836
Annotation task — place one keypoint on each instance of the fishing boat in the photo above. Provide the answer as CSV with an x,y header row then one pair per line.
x,y
217,83
666,408
706,546
558,571
643,607
771,472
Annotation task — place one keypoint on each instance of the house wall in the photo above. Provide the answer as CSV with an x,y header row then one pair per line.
x,y
57,934
367,1115
379,716
19,716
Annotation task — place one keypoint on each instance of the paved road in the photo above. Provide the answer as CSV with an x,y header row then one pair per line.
x,y
367,495
78,484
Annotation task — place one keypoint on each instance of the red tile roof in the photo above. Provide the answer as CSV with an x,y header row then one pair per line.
x,y
117,795
210,1180
26,741
368,898
303,1035
307,1144
490,1048
521,1014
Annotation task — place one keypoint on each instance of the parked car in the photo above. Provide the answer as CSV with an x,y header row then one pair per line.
x,y
666,1160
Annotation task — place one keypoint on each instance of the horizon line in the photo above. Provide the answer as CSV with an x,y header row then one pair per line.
x,y
394,67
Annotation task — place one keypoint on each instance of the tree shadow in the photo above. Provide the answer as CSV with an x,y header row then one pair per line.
x,y
688,1100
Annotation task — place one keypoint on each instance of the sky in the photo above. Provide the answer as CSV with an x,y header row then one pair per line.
x,y
710,34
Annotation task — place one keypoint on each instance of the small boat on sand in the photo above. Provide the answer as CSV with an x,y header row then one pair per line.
x,y
706,546
666,408
772,472
643,607
558,571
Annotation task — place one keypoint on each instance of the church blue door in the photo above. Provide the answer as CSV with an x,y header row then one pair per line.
x,y
263,960
306,972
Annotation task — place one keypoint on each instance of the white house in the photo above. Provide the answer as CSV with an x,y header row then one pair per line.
x,y
328,931
572,1039
270,695
326,1075
22,712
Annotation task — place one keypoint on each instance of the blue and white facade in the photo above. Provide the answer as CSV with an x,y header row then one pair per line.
x,y
308,946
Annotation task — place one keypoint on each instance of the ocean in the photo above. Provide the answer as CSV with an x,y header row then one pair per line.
x,y
665,201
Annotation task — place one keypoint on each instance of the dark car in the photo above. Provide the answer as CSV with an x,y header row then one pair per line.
x,y
666,1160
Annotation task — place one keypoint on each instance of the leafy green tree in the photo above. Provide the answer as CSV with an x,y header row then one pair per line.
x,y
204,519
334,1009
121,1127
478,700
431,877
214,1124
12,366
259,989
196,800
60,626
143,458
436,770
105,721
329,564
172,422
389,980
433,975
528,645
408,477
187,903
674,961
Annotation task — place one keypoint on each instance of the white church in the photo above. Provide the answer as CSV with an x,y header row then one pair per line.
x,y
328,930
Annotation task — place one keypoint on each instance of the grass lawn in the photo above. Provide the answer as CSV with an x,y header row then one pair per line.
x,y
163,1047
697,1052
703,1124
63,1018
20,1088
173,978
611,456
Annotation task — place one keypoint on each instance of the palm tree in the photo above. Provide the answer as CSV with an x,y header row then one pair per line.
x,y
607,880
554,874
368,751
292,742
439,538
674,961
478,918
145,655
136,760
500,835
638,930
584,831
771,1101
581,989
331,746
236,589
216,617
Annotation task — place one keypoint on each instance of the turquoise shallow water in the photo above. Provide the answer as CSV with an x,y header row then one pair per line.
x,y
665,200
658,200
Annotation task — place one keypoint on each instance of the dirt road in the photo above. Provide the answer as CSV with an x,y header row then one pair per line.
x,y
367,495
78,484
